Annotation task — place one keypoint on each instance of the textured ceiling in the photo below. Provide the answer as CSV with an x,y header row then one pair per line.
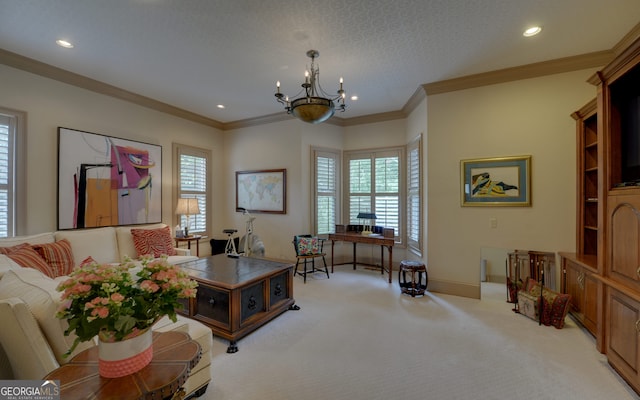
x,y
195,54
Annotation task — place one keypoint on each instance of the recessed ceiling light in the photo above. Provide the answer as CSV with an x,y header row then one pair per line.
x,y
220,106
354,98
534,30
64,43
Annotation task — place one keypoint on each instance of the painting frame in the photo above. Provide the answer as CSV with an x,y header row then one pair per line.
x,y
107,181
510,185
246,191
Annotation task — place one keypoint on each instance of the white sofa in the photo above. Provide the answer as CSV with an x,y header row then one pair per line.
x,y
32,339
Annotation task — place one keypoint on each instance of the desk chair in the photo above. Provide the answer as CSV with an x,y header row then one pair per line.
x,y
309,248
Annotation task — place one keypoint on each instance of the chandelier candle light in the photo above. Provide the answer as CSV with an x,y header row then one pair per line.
x,y
315,106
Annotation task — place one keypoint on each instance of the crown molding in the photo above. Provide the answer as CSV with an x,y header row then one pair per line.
x,y
627,40
49,71
567,64
535,70
374,118
415,99
249,122
267,119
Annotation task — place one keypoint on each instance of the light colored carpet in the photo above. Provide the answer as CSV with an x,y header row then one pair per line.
x,y
356,337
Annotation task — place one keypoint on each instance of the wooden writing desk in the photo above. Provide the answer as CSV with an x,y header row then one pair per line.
x,y
350,233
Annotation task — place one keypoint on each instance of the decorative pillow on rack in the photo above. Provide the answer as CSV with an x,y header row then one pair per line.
x,y
308,245
555,307
157,242
58,255
25,256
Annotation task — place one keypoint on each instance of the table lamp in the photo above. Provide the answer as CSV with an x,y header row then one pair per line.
x,y
188,207
366,228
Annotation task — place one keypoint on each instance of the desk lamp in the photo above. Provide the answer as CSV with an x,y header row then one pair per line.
x,y
188,207
366,228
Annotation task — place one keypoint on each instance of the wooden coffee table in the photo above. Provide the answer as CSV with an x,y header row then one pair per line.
x,y
174,355
236,296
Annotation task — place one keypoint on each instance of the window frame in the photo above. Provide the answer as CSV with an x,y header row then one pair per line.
x,y
178,151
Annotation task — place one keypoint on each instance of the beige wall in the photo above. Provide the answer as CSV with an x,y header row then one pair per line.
x,y
529,117
50,104
275,146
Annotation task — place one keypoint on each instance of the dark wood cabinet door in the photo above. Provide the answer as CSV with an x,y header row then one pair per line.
x,y
624,236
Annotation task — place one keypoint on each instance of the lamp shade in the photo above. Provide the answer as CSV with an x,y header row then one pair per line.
x,y
187,206
366,216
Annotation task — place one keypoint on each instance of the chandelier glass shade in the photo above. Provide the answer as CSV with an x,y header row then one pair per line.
x,y
312,104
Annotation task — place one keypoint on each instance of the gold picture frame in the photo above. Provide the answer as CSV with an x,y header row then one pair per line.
x,y
498,181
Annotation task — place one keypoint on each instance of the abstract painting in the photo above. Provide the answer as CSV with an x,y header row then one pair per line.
x,y
107,181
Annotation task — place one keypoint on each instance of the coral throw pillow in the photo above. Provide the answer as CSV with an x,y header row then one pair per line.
x,y
156,242
27,257
11,249
58,255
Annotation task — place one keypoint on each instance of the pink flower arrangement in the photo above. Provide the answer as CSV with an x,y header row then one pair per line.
x,y
111,302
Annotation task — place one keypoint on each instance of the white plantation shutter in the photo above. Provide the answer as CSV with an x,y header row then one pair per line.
x,y
326,179
414,196
375,180
193,167
360,195
7,124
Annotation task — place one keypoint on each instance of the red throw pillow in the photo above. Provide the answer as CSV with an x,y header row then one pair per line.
x,y
27,257
156,242
58,255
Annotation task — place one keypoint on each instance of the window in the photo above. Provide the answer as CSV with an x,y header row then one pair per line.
x,y
193,165
12,166
414,195
375,186
326,179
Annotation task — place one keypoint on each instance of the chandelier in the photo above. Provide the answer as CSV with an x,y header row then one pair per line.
x,y
312,104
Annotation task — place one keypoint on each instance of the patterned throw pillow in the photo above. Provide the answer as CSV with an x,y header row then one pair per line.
x,y
308,246
156,242
555,307
58,255
27,257
11,249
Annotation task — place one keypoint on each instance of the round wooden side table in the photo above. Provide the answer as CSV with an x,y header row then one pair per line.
x,y
413,278
174,355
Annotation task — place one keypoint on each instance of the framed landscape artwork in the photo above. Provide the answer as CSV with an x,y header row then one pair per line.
x,y
502,181
107,181
262,191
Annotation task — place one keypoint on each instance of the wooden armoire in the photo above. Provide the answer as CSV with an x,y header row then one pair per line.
x,y
603,276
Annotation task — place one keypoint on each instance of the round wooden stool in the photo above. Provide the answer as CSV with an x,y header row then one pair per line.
x,y
418,278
